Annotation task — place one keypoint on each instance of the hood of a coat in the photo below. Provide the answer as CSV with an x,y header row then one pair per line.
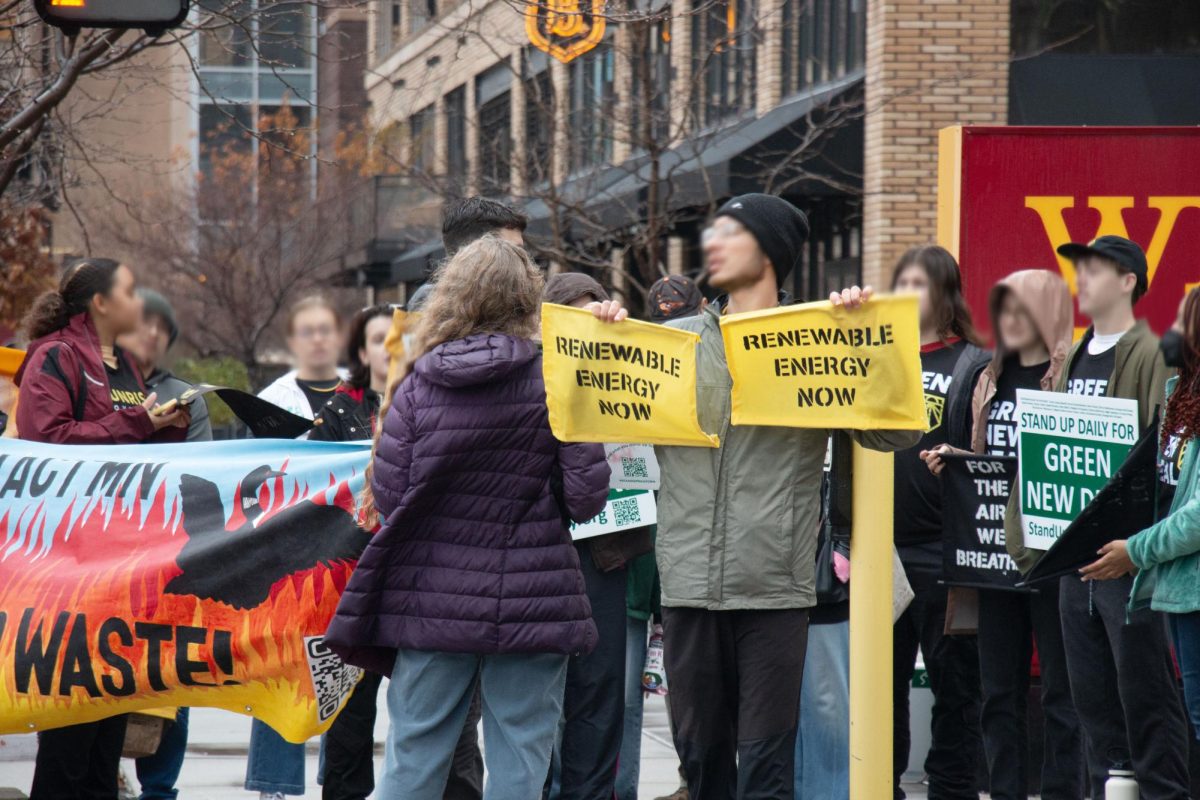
x,y
1048,299
81,334
477,359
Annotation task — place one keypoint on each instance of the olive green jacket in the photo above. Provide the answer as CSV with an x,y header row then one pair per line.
x,y
737,525
1139,373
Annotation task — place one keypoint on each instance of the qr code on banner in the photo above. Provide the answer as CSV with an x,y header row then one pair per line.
x,y
626,512
332,678
634,467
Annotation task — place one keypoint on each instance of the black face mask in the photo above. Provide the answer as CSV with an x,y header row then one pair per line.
x,y
1172,348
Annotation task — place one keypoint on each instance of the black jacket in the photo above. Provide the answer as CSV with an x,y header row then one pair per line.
x,y
347,416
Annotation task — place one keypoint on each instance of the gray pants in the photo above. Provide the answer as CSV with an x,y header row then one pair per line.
x,y
1124,688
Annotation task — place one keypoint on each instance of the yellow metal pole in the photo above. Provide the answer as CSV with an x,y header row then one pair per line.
x,y
871,627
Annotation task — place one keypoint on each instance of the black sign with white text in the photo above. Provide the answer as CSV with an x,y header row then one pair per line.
x,y
975,493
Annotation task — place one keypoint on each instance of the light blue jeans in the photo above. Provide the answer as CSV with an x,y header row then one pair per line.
x,y
636,634
428,700
823,736
275,764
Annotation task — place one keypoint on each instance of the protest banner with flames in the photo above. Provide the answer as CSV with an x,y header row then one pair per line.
x,y
142,576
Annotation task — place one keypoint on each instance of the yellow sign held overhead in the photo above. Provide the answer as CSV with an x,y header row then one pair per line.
x,y
565,29
817,366
629,382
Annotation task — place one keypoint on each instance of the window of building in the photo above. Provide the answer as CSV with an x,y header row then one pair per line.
x,y
539,118
651,83
456,139
823,40
421,129
592,105
1116,27
388,30
493,102
282,33
422,12
724,41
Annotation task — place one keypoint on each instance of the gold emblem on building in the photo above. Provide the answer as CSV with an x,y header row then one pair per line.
x,y
565,29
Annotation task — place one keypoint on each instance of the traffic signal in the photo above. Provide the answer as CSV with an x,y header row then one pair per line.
x,y
153,16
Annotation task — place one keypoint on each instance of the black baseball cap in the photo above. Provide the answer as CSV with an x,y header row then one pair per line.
x,y
1127,254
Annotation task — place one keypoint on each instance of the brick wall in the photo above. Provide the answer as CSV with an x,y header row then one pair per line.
x,y
930,63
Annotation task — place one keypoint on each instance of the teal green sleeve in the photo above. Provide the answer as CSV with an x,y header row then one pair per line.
x,y
1175,536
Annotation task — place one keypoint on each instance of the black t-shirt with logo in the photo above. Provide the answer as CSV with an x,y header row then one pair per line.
x,y
1090,374
1170,464
124,387
918,492
318,392
1002,416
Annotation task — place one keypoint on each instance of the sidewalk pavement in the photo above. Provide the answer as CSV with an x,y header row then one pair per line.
x,y
216,764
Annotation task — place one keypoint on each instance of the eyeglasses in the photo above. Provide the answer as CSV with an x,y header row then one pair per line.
x,y
725,229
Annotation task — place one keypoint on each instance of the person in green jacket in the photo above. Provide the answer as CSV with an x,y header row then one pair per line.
x,y
737,531
1122,681
1166,556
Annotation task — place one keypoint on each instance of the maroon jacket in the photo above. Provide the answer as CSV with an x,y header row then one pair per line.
x,y
50,380
474,556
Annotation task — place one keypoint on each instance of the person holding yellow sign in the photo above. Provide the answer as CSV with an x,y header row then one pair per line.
x,y
737,531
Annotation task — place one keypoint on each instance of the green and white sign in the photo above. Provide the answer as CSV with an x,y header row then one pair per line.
x,y
1068,446
625,510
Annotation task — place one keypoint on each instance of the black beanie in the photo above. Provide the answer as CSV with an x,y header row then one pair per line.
x,y
155,303
780,228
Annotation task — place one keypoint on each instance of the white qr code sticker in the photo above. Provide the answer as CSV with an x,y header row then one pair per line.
x,y
332,678
632,466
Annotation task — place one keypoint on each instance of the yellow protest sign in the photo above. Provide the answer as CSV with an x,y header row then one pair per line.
x,y
817,366
629,382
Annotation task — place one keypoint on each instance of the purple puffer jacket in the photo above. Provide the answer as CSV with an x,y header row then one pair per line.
x,y
473,556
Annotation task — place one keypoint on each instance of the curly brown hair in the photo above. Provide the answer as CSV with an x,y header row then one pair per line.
x,y
1183,408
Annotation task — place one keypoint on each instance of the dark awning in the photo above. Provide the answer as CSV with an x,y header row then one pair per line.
x,y
417,262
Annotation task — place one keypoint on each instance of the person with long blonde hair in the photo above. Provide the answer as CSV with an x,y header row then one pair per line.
x,y
472,574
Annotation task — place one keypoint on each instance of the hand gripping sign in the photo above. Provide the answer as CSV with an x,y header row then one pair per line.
x,y
630,382
820,366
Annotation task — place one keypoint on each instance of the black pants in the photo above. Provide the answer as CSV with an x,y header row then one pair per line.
x,y
594,700
350,750
1008,624
1124,688
952,663
79,762
734,678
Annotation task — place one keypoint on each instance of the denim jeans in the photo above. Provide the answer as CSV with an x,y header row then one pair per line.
x,y
275,764
636,631
428,699
823,736
1185,631
158,773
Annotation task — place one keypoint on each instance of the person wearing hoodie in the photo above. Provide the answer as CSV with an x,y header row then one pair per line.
x,y
349,746
1166,556
585,763
149,346
79,387
1033,322
472,576
737,585
1122,677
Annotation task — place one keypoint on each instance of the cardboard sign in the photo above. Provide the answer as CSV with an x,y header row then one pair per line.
x,y
628,382
975,492
820,366
624,511
204,574
1068,446
632,466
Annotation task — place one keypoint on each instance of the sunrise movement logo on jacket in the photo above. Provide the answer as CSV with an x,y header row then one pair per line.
x,y
193,575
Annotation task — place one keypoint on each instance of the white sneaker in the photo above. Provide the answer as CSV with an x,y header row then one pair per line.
x,y
270,796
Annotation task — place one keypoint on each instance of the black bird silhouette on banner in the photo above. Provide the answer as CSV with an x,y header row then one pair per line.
x,y
239,567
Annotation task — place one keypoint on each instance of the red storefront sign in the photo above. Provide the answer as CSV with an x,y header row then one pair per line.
x,y
1008,196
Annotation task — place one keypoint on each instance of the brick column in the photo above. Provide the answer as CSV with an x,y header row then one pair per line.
x,y
930,63
560,80
682,90
519,143
768,90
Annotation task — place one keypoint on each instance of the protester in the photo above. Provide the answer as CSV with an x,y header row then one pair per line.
x,y
1166,556
593,707
275,766
78,387
736,637
1122,679
473,574
949,352
669,298
349,746
1033,321
149,346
